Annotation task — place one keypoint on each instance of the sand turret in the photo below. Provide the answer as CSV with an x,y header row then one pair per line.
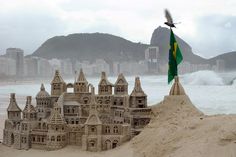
x,y
81,77
81,85
13,110
104,86
138,99
121,85
138,91
177,88
58,86
29,111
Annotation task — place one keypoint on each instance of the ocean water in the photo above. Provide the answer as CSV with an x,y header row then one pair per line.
x,y
212,93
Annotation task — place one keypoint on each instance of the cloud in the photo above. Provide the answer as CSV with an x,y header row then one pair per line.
x,y
27,24
215,34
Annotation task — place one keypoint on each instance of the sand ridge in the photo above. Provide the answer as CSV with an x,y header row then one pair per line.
x,y
179,129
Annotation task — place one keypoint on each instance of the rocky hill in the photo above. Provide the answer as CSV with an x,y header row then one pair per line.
x,y
229,58
89,46
161,36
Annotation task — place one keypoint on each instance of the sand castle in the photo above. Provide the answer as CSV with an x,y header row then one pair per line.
x,y
93,122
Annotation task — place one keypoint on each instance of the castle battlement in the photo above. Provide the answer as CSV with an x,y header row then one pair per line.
x,y
94,122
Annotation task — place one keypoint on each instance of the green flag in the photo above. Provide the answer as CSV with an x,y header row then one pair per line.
x,y
175,57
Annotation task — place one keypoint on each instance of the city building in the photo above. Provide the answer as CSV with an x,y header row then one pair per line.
x,y
132,67
93,122
18,55
8,66
152,56
44,68
66,67
220,65
31,67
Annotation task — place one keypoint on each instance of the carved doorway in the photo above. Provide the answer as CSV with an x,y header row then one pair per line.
x,y
108,144
12,139
114,144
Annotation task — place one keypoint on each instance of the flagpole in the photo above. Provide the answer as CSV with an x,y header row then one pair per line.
x,y
75,74
176,61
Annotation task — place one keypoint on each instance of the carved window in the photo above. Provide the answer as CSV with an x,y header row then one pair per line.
x,y
106,89
93,129
115,129
100,101
44,126
52,138
92,143
107,130
58,138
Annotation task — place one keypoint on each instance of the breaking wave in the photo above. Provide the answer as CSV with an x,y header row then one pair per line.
x,y
234,82
203,78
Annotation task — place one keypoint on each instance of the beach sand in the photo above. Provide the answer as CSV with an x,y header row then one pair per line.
x,y
69,151
178,129
2,119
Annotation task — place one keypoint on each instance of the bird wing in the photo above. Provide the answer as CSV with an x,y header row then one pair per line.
x,y
168,16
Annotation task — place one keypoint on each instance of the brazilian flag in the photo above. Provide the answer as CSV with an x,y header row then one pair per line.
x,y
175,57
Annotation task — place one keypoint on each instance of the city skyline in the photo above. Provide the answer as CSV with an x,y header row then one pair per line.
x,y
208,27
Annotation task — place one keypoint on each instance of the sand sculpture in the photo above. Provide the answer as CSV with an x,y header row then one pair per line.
x,y
94,122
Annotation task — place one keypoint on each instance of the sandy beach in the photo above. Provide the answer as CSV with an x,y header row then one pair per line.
x,y
178,129
69,151
2,119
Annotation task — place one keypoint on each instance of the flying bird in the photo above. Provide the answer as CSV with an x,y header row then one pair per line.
x,y
169,19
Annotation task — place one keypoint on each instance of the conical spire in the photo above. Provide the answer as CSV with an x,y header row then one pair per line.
x,y
137,91
93,102
81,77
56,117
42,88
42,93
121,80
93,118
57,77
177,88
104,80
29,107
13,104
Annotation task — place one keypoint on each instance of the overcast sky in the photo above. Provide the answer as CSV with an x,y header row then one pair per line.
x,y
209,26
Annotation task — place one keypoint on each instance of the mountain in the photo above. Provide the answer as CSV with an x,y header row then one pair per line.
x,y
89,46
161,36
228,58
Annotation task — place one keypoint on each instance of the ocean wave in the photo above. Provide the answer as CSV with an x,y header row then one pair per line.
x,y
203,78
234,82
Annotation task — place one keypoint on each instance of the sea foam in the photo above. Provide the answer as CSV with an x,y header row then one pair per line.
x,y
203,78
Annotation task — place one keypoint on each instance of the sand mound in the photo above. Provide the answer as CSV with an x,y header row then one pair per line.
x,y
179,129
